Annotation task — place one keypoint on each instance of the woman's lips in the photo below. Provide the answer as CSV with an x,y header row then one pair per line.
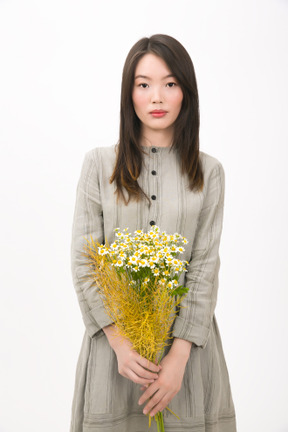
x,y
158,113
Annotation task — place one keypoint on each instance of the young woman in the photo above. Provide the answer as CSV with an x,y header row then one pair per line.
x,y
156,174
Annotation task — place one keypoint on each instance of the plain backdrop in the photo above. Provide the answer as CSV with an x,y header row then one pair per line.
x,y
60,74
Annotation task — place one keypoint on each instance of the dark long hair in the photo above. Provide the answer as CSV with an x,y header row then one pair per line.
x,y
186,127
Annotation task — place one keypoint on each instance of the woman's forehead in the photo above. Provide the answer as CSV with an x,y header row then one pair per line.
x,y
151,65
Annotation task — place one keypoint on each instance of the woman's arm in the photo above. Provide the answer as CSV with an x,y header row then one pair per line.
x,y
195,317
88,220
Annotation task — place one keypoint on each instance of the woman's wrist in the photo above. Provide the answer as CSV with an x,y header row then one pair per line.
x,y
181,349
114,338
111,334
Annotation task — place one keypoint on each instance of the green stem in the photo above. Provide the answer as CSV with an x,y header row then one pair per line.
x,y
160,422
158,426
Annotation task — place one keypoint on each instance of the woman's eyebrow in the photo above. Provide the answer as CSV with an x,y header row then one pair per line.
x,y
146,77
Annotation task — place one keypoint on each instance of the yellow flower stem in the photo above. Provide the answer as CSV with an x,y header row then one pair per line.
x,y
172,413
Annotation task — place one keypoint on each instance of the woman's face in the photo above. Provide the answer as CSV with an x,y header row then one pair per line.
x,y
157,96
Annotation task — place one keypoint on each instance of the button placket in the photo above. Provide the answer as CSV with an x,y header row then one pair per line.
x,y
154,184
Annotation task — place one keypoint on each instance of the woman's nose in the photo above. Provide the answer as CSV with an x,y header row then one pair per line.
x,y
156,95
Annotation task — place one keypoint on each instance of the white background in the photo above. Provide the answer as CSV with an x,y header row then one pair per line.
x,y
60,74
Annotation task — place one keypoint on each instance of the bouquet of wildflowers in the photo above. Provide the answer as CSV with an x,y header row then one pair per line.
x,y
137,277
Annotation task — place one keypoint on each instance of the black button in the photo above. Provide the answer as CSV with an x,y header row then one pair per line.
x,y
153,197
153,172
152,223
154,150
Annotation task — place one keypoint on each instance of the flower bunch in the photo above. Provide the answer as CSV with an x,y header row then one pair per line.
x,y
148,257
137,277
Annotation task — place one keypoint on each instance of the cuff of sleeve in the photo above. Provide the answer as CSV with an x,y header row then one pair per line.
x,y
196,334
95,320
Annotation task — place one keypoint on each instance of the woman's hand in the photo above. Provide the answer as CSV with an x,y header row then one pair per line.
x,y
170,378
130,364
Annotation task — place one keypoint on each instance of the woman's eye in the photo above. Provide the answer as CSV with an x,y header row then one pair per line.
x,y
143,85
171,84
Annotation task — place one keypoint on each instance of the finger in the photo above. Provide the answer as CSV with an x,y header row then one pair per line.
x,y
149,365
143,373
152,388
158,408
136,379
161,405
154,402
144,387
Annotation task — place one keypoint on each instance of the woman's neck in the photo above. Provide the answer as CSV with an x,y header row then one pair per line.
x,y
156,138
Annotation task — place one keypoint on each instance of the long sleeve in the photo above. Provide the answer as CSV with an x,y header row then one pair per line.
x,y
88,220
197,308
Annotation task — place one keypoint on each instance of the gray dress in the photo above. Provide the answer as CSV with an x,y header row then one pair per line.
x,y
103,399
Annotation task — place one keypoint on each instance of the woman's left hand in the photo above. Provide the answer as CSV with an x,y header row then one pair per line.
x,y
169,380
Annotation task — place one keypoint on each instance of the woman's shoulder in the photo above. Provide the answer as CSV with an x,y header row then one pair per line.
x,y
102,153
209,162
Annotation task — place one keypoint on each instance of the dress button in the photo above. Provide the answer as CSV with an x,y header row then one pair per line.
x,y
153,172
153,197
152,223
154,150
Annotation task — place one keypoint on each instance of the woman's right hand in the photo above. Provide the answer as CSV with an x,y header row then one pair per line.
x,y
130,364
